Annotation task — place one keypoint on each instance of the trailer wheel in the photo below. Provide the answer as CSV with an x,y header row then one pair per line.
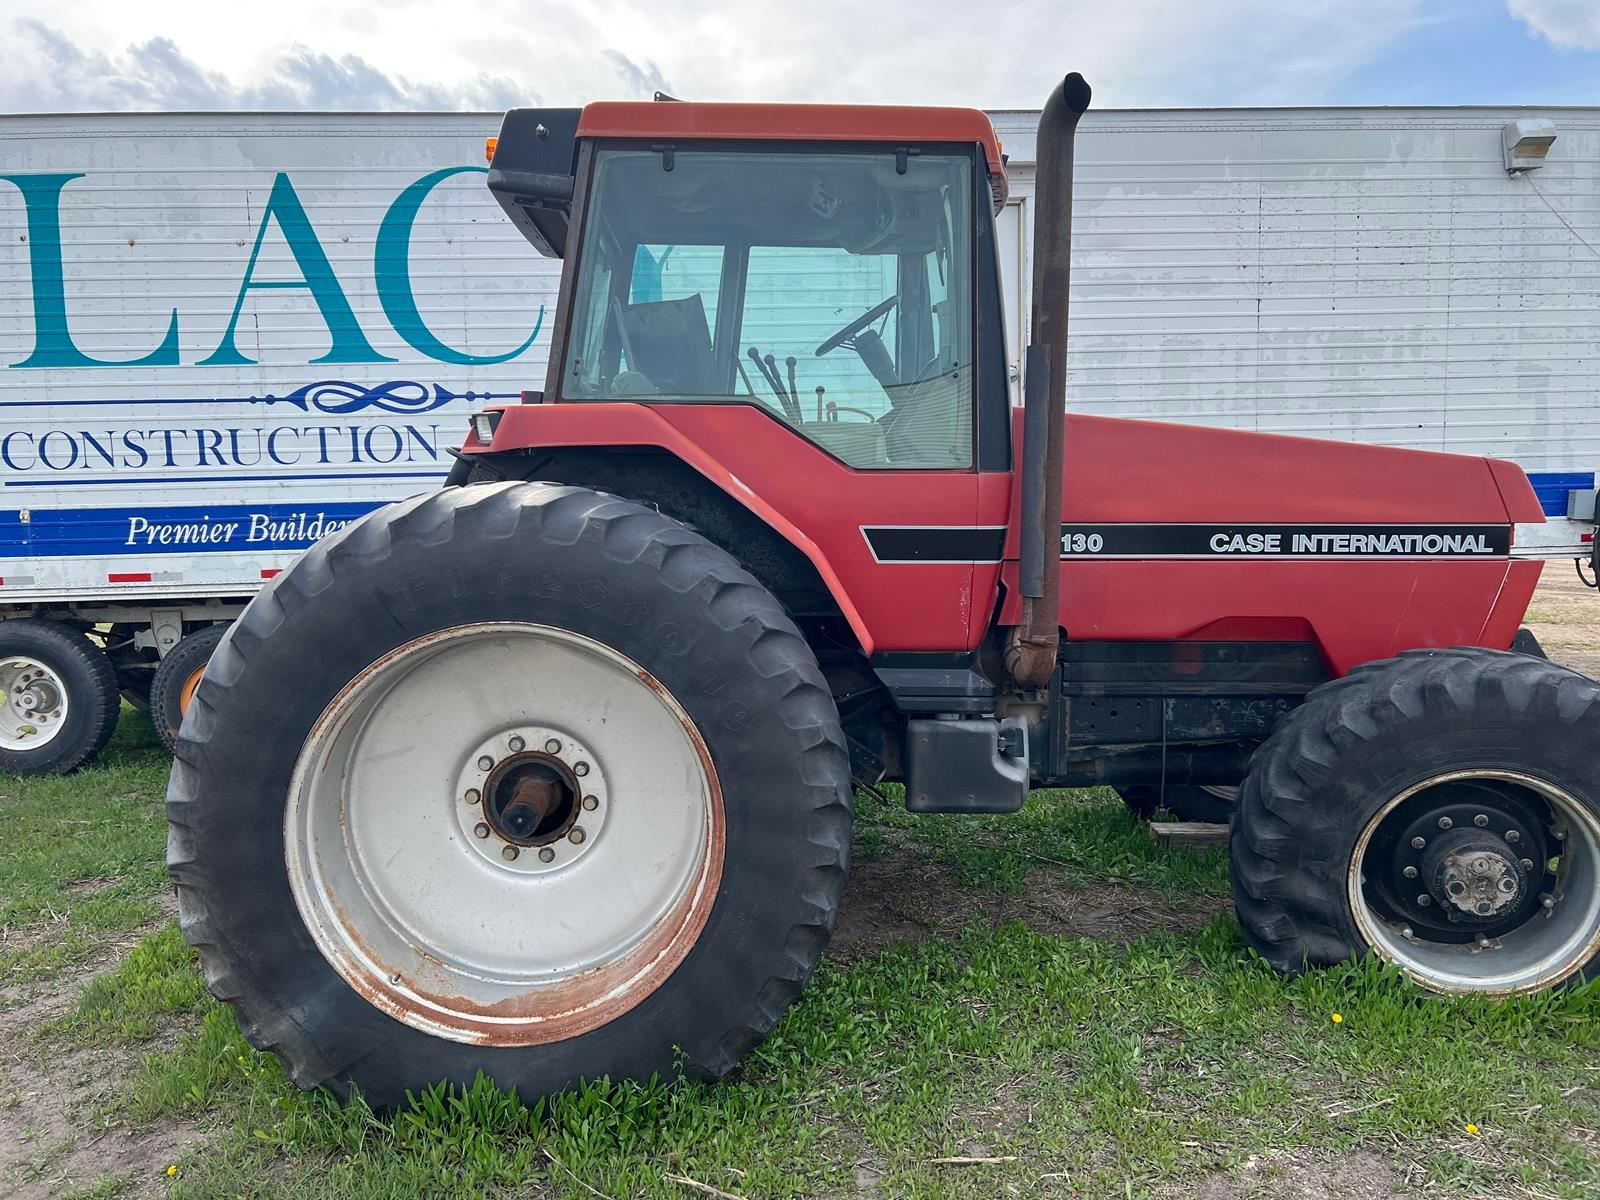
x,y
1187,802
1441,810
60,699
519,779
176,678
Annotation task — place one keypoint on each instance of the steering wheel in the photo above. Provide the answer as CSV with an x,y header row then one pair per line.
x,y
856,326
845,408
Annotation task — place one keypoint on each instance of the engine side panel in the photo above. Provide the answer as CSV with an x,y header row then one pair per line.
x,y
1174,532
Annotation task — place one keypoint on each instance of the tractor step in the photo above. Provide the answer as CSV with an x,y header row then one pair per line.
x,y
967,765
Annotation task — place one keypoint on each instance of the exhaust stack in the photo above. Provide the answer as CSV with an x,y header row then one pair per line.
x,y
1031,652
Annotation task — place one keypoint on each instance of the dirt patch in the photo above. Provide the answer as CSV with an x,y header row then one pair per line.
x,y
53,1103
1565,617
1287,1176
903,898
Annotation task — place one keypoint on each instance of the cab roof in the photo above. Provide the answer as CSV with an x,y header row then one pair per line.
x,y
792,122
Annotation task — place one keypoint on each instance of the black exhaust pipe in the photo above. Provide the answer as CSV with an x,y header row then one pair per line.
x,y
1031,653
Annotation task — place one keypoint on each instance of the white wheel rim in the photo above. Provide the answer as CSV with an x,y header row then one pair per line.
x,y
421,889
36,703
1551,946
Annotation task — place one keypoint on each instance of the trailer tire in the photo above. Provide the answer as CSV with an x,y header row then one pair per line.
x,y
49,664
176,678
1411,809
601,580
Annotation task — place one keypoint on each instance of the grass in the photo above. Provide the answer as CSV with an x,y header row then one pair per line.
x,y
1083,1067
82,857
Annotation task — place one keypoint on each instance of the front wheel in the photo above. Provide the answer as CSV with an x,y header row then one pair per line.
x,y
1440,810
518,779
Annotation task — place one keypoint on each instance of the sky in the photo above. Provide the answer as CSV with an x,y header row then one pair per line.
x,y
91,55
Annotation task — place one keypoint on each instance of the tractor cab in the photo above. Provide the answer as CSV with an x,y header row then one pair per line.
x,y
836,277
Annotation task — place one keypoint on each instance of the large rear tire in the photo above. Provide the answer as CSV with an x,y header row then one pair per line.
x,y
1441,810
516,778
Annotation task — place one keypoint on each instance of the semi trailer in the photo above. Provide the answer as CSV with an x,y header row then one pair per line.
x,y
547,774
224,335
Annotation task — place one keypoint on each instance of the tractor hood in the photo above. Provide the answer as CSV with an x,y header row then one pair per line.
x,y
1145,472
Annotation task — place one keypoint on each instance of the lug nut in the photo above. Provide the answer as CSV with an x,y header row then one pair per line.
x,y
546,854
1547,900
1417,843
580,768
509,853
1424,900
517,744
1483,941
576,836
1446,823
590,803
1409,872
1527,864
1480,820
1513,836
473,796
481,829
485,763
1409,934
553,746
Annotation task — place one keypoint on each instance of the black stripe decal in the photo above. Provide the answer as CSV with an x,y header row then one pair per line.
x,y
1285,541
934,543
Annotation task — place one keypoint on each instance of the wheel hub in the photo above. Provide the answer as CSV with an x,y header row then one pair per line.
x,y
35,704
1481,881
1475,873
532,799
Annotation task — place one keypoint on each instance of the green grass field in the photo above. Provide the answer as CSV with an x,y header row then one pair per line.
x,y
1041,1005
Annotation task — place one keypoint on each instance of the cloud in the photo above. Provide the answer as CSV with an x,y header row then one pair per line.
x,y
42,70
1570,24
643,81
489,54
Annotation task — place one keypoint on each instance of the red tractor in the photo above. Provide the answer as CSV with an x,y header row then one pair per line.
x,y
548,774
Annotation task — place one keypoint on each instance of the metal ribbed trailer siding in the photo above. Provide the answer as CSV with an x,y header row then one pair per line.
x,y
323,401
1366,274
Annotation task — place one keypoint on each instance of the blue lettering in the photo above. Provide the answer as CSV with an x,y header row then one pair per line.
x,y
349,344
52,340
414,437
208,439
5,450
392,271
136,447
90,443
272,446
238,456
44,450
396,448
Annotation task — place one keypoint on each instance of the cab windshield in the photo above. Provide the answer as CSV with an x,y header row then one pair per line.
x,y
833,289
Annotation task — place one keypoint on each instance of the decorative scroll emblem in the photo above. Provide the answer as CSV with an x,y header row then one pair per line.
x,y
335,396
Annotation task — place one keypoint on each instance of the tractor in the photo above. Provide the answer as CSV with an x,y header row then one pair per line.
x,y
548,774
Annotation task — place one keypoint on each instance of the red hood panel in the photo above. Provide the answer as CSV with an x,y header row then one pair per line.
x,y
1121,470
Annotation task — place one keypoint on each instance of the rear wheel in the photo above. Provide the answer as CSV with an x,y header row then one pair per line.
x,y
1441,810
58,698
518,779
176,679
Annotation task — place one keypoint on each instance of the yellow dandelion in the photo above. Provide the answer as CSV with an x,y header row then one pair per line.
x,y
172,1169
1338,1018
1471,1128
